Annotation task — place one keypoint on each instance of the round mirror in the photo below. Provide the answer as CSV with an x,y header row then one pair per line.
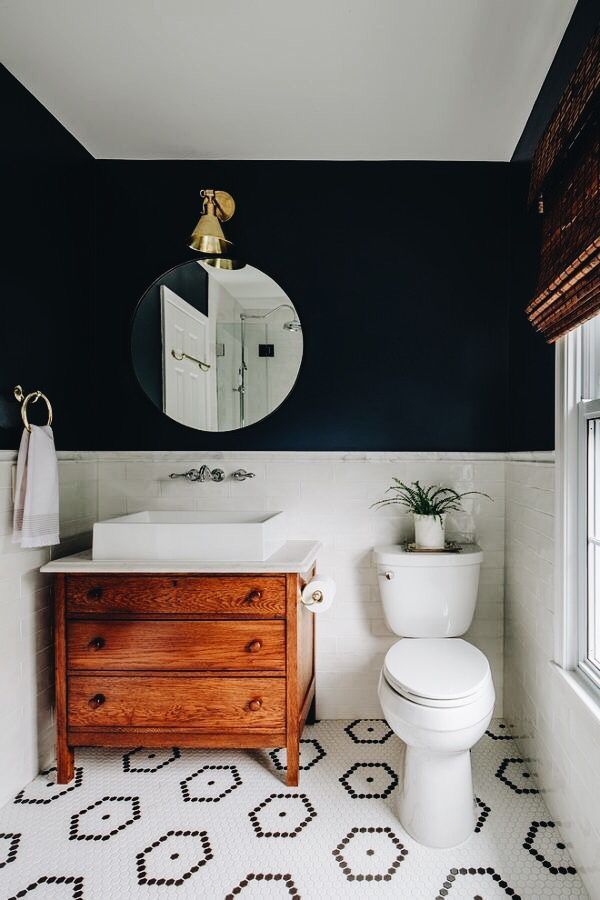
x,y
214,346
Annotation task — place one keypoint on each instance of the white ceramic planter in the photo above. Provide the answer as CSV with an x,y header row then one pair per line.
x,y
430,532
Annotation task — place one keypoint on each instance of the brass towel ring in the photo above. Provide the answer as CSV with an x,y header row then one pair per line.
x,y
24,400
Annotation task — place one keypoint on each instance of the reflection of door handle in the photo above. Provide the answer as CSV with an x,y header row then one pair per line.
x,y
179,355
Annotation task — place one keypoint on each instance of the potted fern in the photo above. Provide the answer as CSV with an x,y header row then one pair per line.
x,y
429,507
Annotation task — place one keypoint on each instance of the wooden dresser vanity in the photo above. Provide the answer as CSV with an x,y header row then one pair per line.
x,y
182,658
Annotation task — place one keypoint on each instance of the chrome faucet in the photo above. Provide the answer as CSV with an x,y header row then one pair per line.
x,y
201,474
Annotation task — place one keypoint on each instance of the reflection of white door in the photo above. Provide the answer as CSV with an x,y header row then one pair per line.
x,y
189,394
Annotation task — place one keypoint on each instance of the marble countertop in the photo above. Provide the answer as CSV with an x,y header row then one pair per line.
x,y
294,556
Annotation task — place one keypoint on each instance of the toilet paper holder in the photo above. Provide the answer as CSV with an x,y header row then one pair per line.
x,y
315,597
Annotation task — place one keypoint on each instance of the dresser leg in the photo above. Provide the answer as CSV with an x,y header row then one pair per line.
x,y
293,763
311,716
65,763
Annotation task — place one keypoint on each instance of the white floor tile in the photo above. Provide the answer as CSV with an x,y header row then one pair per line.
x,y
221,824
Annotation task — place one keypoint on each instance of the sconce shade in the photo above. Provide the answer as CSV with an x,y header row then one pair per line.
x,y
208,236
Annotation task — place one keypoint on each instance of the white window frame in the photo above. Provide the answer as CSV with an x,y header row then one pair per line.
x,y
588,410
576,380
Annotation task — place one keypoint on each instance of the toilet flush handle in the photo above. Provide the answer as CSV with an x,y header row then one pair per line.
x,y
388,575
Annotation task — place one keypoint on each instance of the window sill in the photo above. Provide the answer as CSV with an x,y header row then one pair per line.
x,y
586,692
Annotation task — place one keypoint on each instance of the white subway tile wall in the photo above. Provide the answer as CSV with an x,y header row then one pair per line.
x,y
26,657
327,497
555,731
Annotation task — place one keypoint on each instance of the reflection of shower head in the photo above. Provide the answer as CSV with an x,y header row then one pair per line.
x,y
293,325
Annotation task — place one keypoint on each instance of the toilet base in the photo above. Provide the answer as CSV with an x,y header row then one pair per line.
x,y
436,805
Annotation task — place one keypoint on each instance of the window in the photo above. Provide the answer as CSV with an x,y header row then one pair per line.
x,y
589,616
578,462
589,503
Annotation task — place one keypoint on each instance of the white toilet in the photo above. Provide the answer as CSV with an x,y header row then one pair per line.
x,y
436,691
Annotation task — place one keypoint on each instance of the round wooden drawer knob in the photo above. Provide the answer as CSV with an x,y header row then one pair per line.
x,y
254,705
96,643
95,593
251,597
254,646
96,701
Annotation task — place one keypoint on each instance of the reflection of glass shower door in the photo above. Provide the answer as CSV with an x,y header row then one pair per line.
x,y
228,365
256,397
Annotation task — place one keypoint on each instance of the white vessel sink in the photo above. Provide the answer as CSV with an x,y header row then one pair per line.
x,y
206,536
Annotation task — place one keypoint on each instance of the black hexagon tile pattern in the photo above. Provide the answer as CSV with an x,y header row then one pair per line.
x,y
501,734
368,731
369,854
210,784
53,887
311,753
45,790
514,773
256,885
547,848
173,857
147,761
483,812
282,815
476,882
369,780
9,845
155,824
103,819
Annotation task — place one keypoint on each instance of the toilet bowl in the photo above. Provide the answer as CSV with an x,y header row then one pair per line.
x,y
435,689
437,695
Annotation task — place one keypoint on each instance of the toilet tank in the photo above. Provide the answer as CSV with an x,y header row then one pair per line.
x,y
427,595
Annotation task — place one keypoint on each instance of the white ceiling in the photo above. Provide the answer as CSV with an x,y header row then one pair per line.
x,y
251,288
286,79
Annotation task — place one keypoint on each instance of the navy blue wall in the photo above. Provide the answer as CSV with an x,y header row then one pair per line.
x,y
400,279
530,358
46,243
410,278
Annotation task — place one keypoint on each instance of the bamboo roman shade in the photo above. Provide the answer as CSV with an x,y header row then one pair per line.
x,y
565,179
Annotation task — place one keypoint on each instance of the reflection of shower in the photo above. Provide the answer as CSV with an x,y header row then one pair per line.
x,y
293,325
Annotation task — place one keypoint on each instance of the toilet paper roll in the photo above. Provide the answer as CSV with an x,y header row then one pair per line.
x,y
318,594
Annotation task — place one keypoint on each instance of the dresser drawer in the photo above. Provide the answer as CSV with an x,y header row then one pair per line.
x,y
175,645
236,596
204,704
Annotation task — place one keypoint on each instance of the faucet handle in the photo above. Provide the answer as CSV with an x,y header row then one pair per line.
x,y
191,475
242,475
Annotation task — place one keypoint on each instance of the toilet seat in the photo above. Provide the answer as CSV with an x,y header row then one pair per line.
x,y
437,672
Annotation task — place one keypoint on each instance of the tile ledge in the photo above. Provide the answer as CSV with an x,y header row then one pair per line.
x,y
535,456
586,693
270,455
366,456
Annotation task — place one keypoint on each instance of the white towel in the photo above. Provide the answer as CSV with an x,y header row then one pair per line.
x,y
35,522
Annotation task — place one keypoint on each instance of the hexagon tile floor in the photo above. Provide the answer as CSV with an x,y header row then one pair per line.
x,y
222,824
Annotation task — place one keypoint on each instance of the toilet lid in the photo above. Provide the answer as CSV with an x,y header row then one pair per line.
x,y
436,671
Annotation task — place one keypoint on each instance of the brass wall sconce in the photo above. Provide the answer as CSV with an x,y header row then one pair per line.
x,y
217,207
